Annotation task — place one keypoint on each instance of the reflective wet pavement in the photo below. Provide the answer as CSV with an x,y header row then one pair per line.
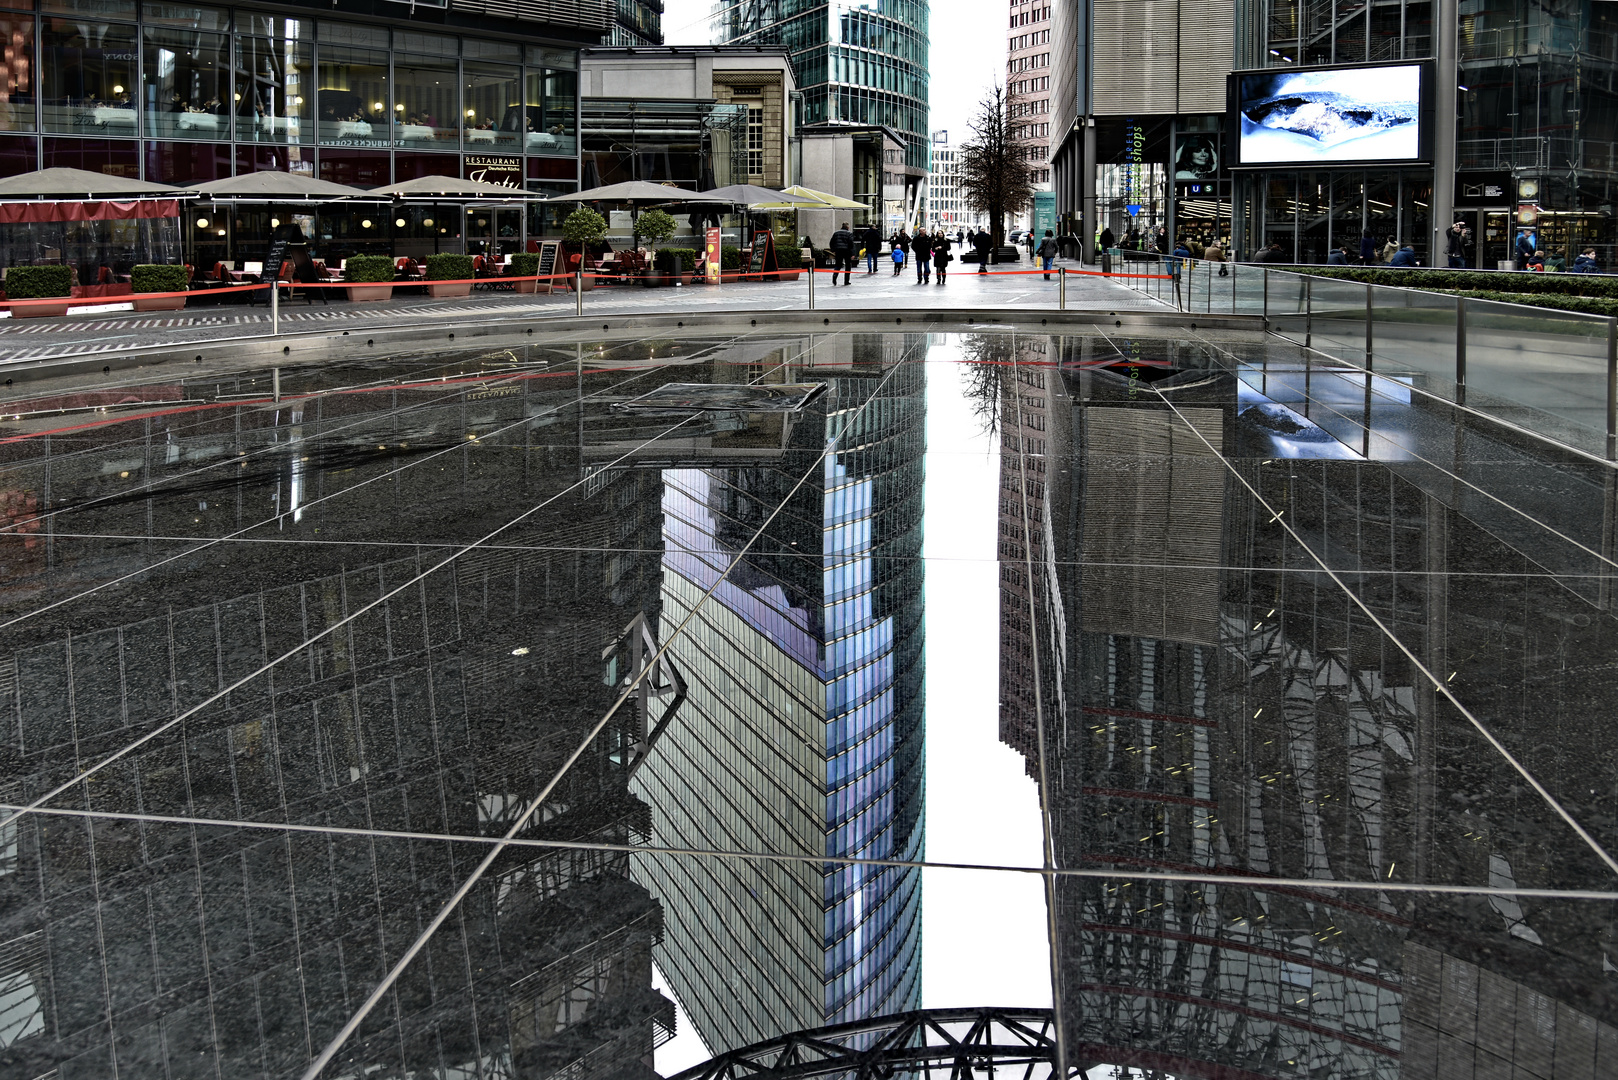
x,y
398,727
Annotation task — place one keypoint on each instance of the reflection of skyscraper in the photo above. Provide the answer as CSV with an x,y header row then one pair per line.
x,y
802,729
145,949
1215,706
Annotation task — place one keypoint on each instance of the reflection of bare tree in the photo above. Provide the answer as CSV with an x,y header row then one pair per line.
x,y
988,363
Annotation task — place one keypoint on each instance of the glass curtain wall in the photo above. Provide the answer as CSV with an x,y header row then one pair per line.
x,y
275,80
17,72
551,94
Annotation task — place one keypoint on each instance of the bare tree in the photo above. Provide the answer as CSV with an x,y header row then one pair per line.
x,y
995,174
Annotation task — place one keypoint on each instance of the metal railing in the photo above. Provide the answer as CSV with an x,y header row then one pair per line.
x,y
1550,372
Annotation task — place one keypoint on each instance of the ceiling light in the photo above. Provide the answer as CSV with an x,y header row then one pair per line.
x,y
399,222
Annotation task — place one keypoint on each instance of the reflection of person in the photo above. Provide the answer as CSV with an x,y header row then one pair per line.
x,y
1197,159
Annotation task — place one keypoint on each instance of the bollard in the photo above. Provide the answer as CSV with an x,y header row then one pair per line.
x,y
1061,288
578,291
811,286
275,384
275,306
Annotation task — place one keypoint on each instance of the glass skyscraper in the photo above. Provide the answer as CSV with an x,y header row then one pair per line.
x,y
802,731
857,61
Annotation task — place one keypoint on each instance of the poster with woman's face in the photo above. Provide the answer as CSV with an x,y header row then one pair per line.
x,y
1198,158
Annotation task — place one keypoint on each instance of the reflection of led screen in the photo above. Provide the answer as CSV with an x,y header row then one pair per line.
x,y
1329,117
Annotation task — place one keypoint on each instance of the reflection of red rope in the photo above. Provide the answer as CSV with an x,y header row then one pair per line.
x,y
1012,273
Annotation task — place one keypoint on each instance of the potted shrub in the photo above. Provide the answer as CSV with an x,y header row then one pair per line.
x,y
455,270
730,263
790,260
582,234
151,278
654,227
524,264
370,277
35,283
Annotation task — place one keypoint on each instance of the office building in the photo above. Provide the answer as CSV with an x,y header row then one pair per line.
x,y
1505,125
637,24
1028,88
861,67
801,733
945,207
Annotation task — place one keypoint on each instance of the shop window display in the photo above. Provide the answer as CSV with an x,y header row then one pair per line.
x,y
89,77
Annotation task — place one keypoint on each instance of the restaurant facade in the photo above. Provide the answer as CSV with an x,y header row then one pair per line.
x,y
358,92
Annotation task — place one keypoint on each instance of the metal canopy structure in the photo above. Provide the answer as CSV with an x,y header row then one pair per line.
x,y
947,1044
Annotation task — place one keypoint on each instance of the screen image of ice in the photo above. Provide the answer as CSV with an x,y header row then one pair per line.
x,y
1326,117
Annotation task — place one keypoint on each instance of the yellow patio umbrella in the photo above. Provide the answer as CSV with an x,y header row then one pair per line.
x,y
803,198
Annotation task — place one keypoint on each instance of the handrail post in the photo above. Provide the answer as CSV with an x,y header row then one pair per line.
x,y
1612,388
811,284
1308,311
1265,270
1460,352
1061,288
1370,322
275,305
578,291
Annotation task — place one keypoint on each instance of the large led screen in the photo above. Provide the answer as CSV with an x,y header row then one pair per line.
x,y
1330,117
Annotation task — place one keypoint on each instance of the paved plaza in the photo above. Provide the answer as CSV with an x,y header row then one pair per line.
x,y
108,332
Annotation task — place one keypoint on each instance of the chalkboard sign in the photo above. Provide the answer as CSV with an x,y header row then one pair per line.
x,y
273,259
548,251
763,253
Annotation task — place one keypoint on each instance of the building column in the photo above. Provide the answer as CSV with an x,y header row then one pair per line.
x,y
1087,192
1446,24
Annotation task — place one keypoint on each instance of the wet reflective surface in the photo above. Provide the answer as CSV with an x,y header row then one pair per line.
x,y
397,722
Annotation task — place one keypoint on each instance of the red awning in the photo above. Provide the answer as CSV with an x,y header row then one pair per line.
x,y
21,213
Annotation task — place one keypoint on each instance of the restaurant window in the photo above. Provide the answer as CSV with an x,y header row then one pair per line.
x,y
551,100
89,77
353,102
185,85
275,78
17,73
494,116
426,105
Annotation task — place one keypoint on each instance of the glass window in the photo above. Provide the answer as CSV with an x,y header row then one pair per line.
x,y
17,73
186,15
185,84
426,44
426,107
18,154
89,77
353,100
560,59
493,108
347,34
491,50
552,102
274,91
101,9
186,163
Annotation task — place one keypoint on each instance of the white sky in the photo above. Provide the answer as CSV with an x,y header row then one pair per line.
x,y
961,69
983,932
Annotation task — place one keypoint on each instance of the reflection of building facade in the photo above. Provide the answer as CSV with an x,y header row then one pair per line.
x,y
802,729
1214,710
151,949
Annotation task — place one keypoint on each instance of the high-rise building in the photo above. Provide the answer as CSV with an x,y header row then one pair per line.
x,y
637,23
1028,85
945,206
801,732
858,66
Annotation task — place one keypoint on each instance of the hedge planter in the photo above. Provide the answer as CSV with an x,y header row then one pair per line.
x,y
156,278
524,264
787,275
449,274
39,283
370,292
729,277
158,303
438,290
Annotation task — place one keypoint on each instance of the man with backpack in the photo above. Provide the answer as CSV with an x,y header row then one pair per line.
x,y
842,253
1047,252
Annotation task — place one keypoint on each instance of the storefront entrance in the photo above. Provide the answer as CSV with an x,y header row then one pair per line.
x,y
494,230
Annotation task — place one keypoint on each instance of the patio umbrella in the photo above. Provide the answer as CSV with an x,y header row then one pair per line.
x,y
450,189
637,193
762,198
827,201
83,185
279,187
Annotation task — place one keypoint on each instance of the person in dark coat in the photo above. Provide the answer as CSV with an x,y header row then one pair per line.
x,y
842,252
1525,250
981,243
1367,249
1585,263
1047,252
1455,245
1337,256
1271,254
941,256
1406,256
873,247
923,245
1108,240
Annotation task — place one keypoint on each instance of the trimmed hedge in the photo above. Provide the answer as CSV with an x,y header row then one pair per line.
x,y
789,258
368,269
1504,281
665,260
524,264
38,282
730,257
154,278
1586,305
446,266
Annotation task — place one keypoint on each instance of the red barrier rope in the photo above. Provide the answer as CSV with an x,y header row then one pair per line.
x,y
1012,273
123,298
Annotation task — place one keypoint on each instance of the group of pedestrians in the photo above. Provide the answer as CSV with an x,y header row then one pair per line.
x,y
932,252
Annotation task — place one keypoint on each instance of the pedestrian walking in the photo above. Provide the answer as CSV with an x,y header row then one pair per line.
x,y
1367,249
873,248
941,256
981,243
842,252
1389,250
1047,253
898,260
923,246
1108,240
1215,252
